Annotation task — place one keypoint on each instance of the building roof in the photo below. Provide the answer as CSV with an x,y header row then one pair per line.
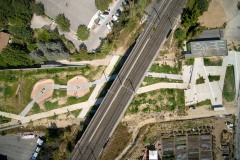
x,y
208,48
4,38
77,11
153,155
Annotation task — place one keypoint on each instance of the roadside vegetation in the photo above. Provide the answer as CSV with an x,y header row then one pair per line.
x,y
229,84
190,28
213,61
157,101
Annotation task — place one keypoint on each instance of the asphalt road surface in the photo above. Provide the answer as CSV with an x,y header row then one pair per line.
x,y
115,103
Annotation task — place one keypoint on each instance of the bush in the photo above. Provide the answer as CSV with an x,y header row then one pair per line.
x,y
63,22
83,33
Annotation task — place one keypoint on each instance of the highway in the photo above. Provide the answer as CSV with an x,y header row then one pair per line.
x,y
115,103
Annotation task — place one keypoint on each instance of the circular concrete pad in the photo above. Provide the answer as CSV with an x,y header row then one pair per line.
x,y
43,90
75,83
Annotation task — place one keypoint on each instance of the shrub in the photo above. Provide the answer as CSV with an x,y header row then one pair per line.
x,y
63,22
83,33
102,5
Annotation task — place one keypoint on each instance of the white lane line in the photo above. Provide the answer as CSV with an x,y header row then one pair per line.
x,y
117,92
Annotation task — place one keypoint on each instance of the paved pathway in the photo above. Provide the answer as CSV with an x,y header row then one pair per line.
x,y
161,85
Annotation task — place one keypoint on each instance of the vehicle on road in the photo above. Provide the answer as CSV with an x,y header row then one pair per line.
x,y
115,17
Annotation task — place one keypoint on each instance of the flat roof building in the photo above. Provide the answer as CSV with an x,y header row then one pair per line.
x,y
207,49
4,38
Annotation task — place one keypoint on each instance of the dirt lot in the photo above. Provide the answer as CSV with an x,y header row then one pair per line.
x,y
215,16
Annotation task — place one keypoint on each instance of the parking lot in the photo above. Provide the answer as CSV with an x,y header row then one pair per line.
x,y
16,148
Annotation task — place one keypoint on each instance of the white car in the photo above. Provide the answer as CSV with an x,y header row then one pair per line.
x,y
115,18
109,26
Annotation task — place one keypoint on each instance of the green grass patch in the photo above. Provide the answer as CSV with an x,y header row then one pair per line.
x,y
36,108
189,61
203,103
200,80
166,68
214,61
229,85
213,78
54,117
51,105
152,80
146,110
59,93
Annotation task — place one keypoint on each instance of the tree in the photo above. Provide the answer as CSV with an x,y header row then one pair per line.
x,y
83,32
63,22
180,34
14,55
21,34
102,5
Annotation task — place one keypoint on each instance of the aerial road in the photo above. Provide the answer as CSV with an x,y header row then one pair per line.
x,y
124,87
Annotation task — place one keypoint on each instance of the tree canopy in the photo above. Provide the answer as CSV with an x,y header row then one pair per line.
x,y
102,5
14,55
83,32
63,22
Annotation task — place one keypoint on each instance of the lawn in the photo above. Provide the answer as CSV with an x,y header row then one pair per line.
x,y
51,105
10,80
76,112
213,61
166,68
152,80
189,61
229,85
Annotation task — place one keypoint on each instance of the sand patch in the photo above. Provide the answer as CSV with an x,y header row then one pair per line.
x,y
214,16
77,81
42,90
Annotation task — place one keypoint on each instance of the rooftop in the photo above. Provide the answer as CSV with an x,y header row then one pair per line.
x,y
4,38
208,48
77,11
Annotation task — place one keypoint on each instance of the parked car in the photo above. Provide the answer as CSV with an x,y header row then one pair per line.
x,y
105,13
115,18
109,25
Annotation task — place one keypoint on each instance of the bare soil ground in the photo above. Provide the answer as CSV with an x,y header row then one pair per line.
x,y
40,86
39,21
76,81
215,16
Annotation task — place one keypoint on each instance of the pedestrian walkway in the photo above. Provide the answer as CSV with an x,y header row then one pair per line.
x,y
161,85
